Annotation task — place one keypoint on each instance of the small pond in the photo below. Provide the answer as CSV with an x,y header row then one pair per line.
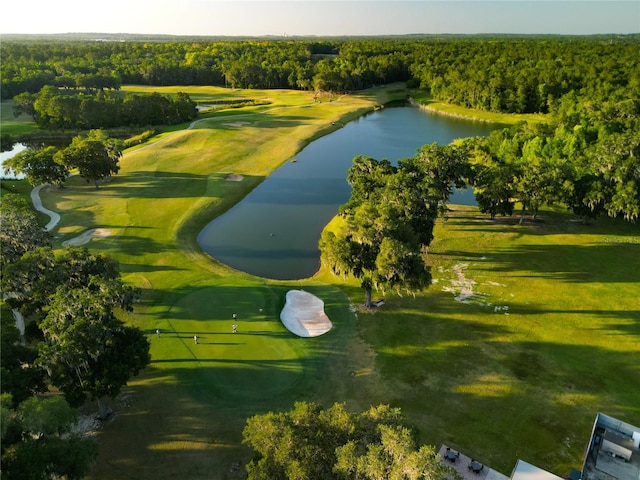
x,y
274,231
58,142
17,148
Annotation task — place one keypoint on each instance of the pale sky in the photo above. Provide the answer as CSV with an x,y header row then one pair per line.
x,y
320,17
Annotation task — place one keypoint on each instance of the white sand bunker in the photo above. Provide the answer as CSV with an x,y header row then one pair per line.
x,y
303,314
234,177
236,124
87,235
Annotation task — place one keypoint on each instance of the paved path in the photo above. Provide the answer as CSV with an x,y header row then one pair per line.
x,y
55,218
37,204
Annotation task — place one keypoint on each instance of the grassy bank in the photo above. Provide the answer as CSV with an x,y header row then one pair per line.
x,y
520,381
426,102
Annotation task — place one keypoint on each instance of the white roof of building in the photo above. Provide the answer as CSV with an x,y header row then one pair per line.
x,y
526,471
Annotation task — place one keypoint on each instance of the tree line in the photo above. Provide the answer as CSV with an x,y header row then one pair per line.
x,y
75,340
52,108
500,74
586,158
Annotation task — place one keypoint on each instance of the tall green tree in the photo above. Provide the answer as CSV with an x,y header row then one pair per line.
x,y
447,166
19,376
617,157
6,412
46,417
541,178
393,456
88,351
20,230
41,452
315,443
95,156
492,179
38,166
23,103
32,279
387,226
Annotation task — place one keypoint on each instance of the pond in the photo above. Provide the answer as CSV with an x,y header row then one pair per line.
x,y
274,231
17,148
58,142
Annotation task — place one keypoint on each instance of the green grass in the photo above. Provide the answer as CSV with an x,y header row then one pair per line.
x,y
525,381
426,102
498,387
14,126
189,407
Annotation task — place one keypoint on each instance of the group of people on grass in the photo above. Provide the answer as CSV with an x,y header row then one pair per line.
x,y
234,329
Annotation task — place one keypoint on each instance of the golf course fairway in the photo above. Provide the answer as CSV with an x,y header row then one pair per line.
x,y
545,335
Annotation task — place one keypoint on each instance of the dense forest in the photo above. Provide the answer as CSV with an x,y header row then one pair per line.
x,y
54,109
501,74
585,157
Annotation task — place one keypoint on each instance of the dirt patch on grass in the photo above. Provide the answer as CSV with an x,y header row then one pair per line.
x,y
236,124
463,288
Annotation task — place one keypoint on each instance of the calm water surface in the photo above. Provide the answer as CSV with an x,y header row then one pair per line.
x,y
17,148
274,231
36,144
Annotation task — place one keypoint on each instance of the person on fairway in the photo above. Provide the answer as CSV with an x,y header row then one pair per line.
x,y
234,328
195,339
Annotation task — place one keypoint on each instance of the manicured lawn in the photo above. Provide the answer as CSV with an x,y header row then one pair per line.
x,y
500,384
519,369
189,407
12,125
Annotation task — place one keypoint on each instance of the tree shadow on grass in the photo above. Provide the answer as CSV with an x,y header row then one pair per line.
x,y
188,411
264,120
548,223
597,263
133,245
469,383
479,388
606,314
158,184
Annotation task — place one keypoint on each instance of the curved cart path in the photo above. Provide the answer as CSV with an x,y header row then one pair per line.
x,y
37,204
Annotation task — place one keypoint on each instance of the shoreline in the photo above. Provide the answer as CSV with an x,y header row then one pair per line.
x,y
429,109
506,119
